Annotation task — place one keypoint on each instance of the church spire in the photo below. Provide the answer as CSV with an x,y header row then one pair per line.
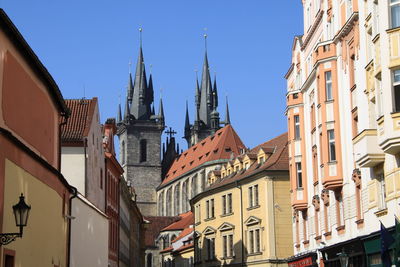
x,y
143,95
126,112
205,93
161,112
187,122
227,117
119,115
215,94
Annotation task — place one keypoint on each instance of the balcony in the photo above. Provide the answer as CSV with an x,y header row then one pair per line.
x,y
394,45
390,143
368,153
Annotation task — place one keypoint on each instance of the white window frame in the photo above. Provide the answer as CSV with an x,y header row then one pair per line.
x,y
328,86
297,134
394,85
227,246
253,245
253,196
382,191
331,143
299,175
392,4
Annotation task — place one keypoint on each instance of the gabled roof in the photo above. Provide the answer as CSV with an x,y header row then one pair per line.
x,y
278,161
156,224
184,233
78,124
186,219
221,145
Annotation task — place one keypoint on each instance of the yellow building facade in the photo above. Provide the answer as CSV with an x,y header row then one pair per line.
x,y
244,217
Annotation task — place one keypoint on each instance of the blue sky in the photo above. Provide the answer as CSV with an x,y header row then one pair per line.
x,y
88,44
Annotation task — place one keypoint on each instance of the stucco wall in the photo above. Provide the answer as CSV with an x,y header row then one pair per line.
x,y
89,237
44,239
73,167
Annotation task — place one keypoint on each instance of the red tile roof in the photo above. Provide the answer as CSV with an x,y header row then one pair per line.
x,y
221,145
279,160
154,228
184,233
186,219
78,124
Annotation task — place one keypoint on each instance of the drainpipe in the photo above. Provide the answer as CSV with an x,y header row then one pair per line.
x,y
69,217
241,221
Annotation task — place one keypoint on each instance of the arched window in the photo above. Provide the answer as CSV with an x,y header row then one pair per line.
x,y
194,185
169,203
149,260
143,150
123,152
177,199
185,196
161,204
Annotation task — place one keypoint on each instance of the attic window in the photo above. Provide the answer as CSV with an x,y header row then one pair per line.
x,y
185,154
200,157
208,153
212,137
215,150
173,172
228,149
219,134
183,167
194,148
191,163
203,143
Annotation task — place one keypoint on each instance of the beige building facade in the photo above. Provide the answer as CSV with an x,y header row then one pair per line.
x,y
244,217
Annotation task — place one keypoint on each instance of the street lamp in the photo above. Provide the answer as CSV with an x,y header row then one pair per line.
x,y
21,214
344,258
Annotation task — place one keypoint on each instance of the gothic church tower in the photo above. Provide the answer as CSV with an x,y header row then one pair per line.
x,y
139,132
207,120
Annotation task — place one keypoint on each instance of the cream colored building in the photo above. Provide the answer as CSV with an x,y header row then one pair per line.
x,y
343,103
244,217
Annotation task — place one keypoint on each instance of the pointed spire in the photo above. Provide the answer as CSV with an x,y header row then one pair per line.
x,y
140,108
227,117
187,122
215,93
150,92
152,110
161,112
126,112
130,87
119,115
205,93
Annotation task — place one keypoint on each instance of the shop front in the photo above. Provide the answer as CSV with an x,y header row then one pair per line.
x,y
372,246
353,249
303,260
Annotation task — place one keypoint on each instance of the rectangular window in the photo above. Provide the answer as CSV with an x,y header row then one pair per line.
x,y
208,209
254,241
253,196
379,96
395,13
143,150
396,90
299,176
229,204
212,208
296,127
227,246
331,144
382,193
224,205
328,85
210,243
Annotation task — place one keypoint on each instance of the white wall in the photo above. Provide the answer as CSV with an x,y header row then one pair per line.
x,y
89,235
73,167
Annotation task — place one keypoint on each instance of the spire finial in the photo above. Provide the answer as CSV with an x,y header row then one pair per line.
x,y
130,65
151,69
205,38
140,35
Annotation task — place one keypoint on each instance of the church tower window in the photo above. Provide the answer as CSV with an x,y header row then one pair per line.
x,y
143,150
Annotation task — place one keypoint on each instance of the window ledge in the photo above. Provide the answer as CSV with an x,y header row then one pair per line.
x,y
395,114
227,258
227,214
390,30
318,237
360,221
209,219
306,242
340,229
254,253
381,212
253,207
329,101
327,234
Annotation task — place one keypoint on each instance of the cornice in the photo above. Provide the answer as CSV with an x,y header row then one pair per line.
x,y
313,28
